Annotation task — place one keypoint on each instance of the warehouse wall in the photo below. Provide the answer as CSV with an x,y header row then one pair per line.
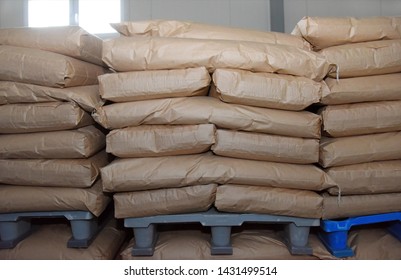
x,y
253,14
11,13
294,10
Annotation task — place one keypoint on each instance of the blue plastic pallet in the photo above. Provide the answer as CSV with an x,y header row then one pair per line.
x,y
296,231
15,227
334,234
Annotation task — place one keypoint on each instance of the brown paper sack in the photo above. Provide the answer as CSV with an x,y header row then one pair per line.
x,y
365,59
45,68
362,89
248,244
358,205
368,242
186,170
360,149
186,29
144,85
258,146
67,40
267,200
28,199
160,140
125,54
266,90
41,117
164,201
367,178
80,143
323,32
266,244
48,242
361,118
72,173
87,97
374,244
203,110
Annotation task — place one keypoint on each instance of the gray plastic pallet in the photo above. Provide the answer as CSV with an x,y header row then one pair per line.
x,y
15,227
296,231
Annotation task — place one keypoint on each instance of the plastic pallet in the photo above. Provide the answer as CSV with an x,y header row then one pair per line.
x,y
295,235
14,227
334,234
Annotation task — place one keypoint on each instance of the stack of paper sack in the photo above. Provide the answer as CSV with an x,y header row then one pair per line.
x,y
48,242
244,143
51,150
368,243
361,148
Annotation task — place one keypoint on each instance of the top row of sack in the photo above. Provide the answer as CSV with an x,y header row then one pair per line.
x,y
165,44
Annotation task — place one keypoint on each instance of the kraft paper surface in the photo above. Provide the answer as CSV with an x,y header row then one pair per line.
x,y
179,171
67,40
374,243
358,205
323,32
186,29
252,243
266,90
79,143
49,241
259,146
362,89
41,117
160,140
164,201
365,59
71,173
29,199
44,68
368,242
87,97
125,54
360,149
205,109
192,244
268,200
154,84
367,178
361,118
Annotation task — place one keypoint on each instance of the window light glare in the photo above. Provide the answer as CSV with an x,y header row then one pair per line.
x,y
43,13
96,16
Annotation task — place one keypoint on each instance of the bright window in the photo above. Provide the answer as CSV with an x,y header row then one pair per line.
x,y
48,13
94,16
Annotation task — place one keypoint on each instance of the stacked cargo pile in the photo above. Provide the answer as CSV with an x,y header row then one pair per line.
x,y
48,242
50,148
248,244
368,243
361,149
145,149
286,151
252,137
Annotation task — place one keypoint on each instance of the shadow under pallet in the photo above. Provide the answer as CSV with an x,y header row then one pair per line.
x,y
296,231
14,227
334,233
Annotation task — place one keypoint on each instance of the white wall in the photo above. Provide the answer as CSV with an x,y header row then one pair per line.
x,y
12,13
294,10
253,14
